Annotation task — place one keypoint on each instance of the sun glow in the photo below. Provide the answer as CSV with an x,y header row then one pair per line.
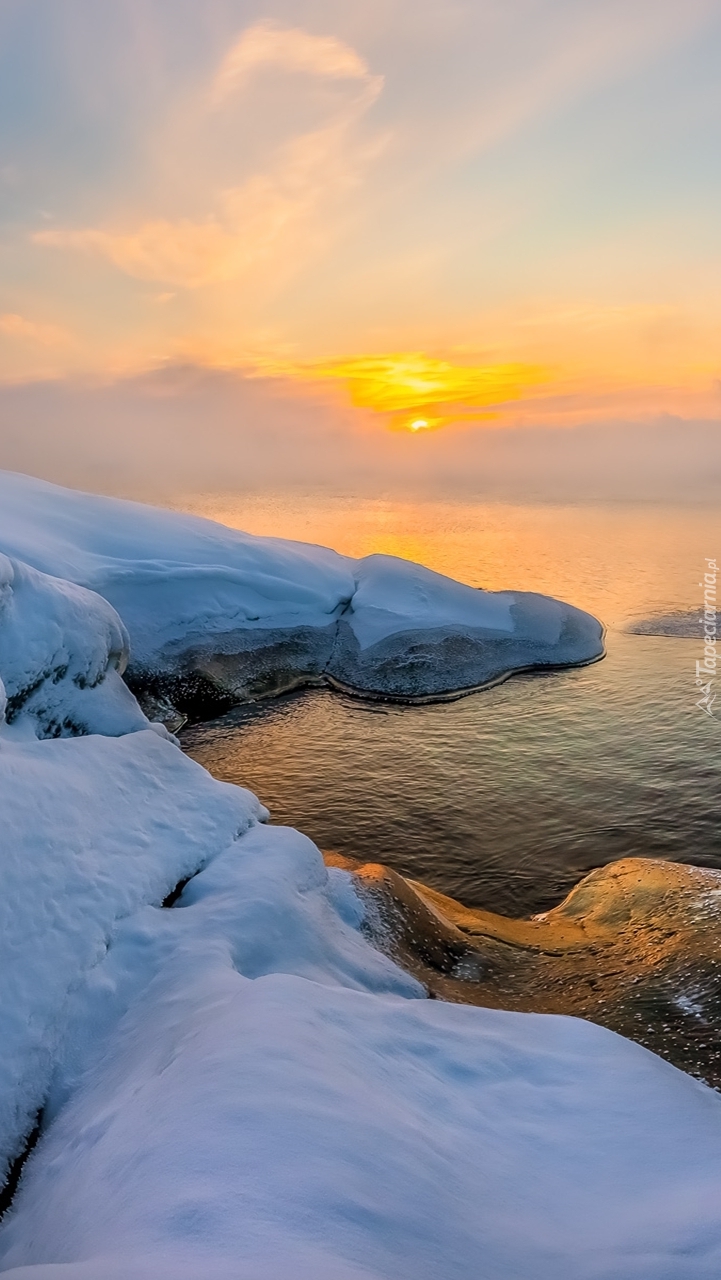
x,y
401,384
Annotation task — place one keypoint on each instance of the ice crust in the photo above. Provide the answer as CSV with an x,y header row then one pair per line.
x,y
241,1085
212,611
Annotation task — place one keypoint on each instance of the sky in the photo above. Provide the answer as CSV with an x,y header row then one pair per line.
x,y
304,221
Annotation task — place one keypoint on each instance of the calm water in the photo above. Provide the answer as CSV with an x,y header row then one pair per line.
x,y
505,798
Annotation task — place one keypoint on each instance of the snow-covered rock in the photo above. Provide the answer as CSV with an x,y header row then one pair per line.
x,y
62,652
413,634
216,616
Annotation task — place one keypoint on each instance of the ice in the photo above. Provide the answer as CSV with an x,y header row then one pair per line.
x,y
685,623
216,614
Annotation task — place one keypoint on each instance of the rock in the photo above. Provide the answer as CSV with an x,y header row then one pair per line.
x,y
635,946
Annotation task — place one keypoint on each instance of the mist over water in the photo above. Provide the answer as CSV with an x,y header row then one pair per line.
x,y
507,797
178,428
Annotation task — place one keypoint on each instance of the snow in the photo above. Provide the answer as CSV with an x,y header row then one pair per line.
x,y
62,651
189,590
169,575
255,1115
394,595
240,1085
92,828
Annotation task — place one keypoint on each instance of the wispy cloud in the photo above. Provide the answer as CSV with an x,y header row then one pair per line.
x,y
13,325
532,187
267,44
266,215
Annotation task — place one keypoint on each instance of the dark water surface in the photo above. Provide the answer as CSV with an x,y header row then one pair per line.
x,y
506,798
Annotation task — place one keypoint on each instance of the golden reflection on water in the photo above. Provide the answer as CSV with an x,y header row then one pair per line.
x,y
504,799
619,561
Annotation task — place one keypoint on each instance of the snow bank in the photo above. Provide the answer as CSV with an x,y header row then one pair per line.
x,y
173,578
247,1111
395,595
92,828
214,613
62,651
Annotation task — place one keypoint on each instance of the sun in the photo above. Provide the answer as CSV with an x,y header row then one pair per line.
x,y
418,393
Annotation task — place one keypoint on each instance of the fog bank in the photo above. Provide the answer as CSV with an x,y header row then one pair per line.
x,y
184,428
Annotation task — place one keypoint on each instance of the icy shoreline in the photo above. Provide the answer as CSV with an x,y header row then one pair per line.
x,y
242,1086
216,617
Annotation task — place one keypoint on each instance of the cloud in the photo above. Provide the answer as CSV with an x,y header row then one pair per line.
x,y
249,225
17,326
403,384
535,175
187,429
267,216
266,44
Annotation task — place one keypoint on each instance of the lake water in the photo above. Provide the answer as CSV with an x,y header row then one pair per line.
x,y
505,798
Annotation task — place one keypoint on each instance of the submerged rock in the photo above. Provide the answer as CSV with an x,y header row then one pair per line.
x,y
684,624
635,946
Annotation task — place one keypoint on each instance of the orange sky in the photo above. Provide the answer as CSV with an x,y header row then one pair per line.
x,y
467,213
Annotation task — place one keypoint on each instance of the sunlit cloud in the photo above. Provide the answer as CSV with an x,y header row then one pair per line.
x,y
405,385
518,220
266,216
267,44
17,326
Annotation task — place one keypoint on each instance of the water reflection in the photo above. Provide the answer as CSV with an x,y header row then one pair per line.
x,y
506,798
619,561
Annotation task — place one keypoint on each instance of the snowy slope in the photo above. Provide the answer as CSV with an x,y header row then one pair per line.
x,y
92,828
209,608
240,1085
248,1112
170,576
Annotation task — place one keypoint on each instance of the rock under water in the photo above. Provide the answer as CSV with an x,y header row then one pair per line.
x,y
634,947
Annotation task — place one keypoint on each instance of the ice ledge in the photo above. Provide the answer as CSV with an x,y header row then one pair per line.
x,y
216,616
